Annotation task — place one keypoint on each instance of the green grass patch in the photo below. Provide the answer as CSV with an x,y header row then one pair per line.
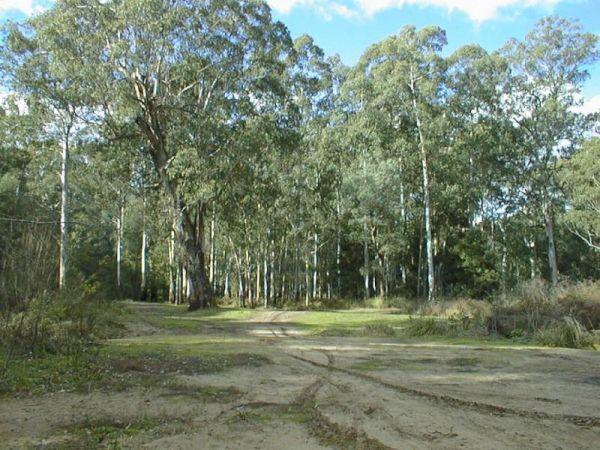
x,y
210,394
49,373
376,329
347,319
176,317
111,432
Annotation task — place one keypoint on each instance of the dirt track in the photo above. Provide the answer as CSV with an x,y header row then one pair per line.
x,y
330,392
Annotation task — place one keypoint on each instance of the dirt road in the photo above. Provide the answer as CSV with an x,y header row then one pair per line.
x,y
324,392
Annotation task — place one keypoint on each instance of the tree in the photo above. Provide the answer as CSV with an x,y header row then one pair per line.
x,y
548,70
581,176
187,84
406,73
34,68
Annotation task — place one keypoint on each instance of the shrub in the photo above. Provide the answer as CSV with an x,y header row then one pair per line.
x,y
474,310
581,301
60,323
426,326
534,306
566,333
378,330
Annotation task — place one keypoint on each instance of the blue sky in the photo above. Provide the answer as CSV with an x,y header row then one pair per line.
x,y
348,27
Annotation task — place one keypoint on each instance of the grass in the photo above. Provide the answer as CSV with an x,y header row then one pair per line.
x,y
50,373
120,367
189,346
375,363
209,394
111,432
348,318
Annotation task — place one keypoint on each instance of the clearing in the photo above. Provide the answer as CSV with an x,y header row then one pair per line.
x,y
222,379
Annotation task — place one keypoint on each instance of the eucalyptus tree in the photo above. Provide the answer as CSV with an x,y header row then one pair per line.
x,y
310,81
27,199
406,72
37,69
548,70
188,74
581,177
479,175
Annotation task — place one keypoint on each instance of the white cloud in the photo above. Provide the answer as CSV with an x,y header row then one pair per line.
x,y
590,106
477,10
286,6
27,7
344,11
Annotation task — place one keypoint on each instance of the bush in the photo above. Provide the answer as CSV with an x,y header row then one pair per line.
x,y
566,333
461,309
378,330
58,323
426,326
581,301
534,306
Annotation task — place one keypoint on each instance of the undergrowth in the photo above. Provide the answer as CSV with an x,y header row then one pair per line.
x,y
566,316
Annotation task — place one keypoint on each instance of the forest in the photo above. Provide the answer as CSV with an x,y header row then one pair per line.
x,y
197,163
161,153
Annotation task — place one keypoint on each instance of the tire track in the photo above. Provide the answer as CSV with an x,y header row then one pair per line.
x,y
487,408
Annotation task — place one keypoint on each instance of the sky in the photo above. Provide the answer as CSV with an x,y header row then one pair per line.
x,y
348,27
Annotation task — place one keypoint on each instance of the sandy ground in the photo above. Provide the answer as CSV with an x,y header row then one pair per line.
x,y
327,392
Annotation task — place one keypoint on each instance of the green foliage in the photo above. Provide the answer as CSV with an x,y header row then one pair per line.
x,y
580,176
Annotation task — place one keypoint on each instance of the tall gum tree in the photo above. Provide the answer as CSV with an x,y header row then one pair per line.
x,y
36,68
408,69
188,74
548,70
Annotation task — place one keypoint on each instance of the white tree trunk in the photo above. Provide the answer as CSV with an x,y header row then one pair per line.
x,y
64,212
426,200
530,243
144,264
366,262
403,216
120,241
212,265
315,265
173,272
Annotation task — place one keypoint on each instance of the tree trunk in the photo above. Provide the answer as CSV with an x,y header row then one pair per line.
x,y
226,292
403,216
338,246
552,262
271,290
173,270
120,241
426,201
64,211
315,264
307,280
190,233
143,284
530,243
211,274
366,261
189,230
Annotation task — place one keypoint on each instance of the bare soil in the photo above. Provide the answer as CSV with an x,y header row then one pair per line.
x,y
326,392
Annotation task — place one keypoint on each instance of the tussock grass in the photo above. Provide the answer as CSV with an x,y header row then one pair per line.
x,y
566,333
